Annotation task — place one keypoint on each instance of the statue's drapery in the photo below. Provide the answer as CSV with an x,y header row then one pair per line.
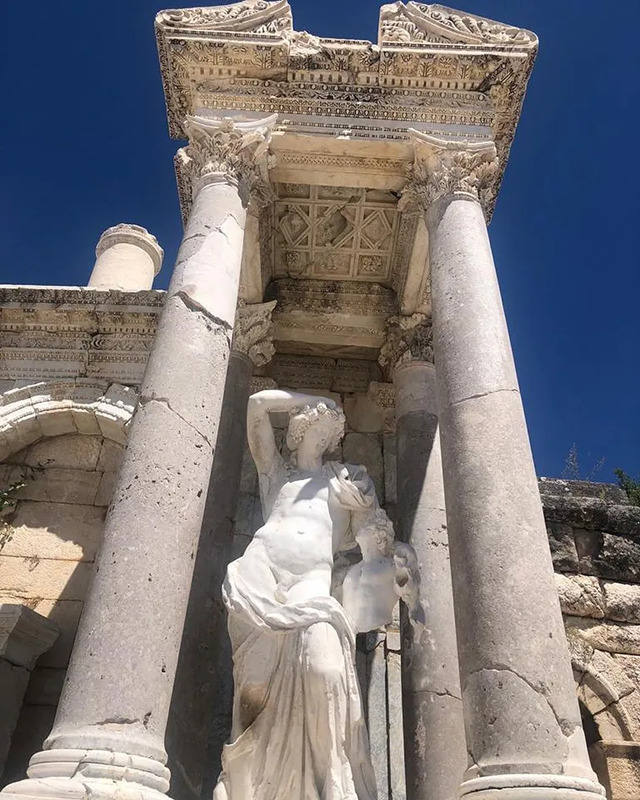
x,y
308,741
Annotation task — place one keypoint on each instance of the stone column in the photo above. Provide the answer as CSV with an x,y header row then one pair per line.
x,y
435,751
128,258
200,716
523,727
108,736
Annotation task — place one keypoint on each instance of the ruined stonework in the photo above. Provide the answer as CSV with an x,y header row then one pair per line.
x,y
335,196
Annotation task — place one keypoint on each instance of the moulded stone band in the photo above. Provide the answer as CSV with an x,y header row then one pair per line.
x,y
132,234
100,764
571,787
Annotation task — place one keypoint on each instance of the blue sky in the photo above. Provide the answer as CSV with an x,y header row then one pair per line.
x,y
85,145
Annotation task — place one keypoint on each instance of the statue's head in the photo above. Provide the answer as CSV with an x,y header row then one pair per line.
x,y
320,424
376,526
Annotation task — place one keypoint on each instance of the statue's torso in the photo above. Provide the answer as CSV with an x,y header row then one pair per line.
x,y
292,553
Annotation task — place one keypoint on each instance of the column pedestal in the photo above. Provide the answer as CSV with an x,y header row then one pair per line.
x,y
523,727
108,736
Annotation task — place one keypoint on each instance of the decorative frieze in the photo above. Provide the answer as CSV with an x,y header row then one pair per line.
x,y
409,338
49,333
253,332
442,168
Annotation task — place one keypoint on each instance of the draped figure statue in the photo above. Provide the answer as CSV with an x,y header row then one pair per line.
x,y
298,728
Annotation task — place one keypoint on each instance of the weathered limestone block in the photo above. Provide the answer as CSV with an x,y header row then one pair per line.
x,y
64,531
45,578
622,601
581,595
363,414
623,767
563,547
65,451
608,636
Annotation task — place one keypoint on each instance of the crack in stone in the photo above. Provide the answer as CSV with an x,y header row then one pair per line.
x,y
444,693
193,305
165,402
566,726
614,702
485,394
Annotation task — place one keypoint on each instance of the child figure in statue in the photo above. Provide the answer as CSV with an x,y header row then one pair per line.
x,y
298,726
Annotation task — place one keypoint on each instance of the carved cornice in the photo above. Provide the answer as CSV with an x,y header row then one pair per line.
x,y
253,332
419,22
254,16
432,68
442,168
224,149
409,338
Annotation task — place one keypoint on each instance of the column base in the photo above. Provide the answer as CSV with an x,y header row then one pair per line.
x,y
96,774
531,787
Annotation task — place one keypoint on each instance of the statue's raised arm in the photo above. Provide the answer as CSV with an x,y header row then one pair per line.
x,y
272,472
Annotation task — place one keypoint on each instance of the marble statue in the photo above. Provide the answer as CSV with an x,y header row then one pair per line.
x,y
295,603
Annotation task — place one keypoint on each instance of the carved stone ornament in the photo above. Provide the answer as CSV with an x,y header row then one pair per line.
x,y
409,338
253,332
442,168
252,16
420,22
235,150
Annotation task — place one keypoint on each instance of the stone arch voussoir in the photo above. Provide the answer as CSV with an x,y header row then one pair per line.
x,y
605,701
80,405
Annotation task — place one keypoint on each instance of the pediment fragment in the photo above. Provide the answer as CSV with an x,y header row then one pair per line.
x,y
422,22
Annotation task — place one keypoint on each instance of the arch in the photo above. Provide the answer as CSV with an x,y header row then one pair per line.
x,y
80,405
604,703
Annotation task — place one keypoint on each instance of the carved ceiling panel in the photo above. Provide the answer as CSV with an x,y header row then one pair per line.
x,y
335,233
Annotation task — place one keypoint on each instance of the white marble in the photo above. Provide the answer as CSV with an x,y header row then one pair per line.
x,y
295,601
128,258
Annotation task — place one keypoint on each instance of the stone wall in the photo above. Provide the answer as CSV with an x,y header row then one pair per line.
x,y
48,542
595,542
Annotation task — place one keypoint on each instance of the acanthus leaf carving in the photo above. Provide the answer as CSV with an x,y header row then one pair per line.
x,y
251,16
422,22
409,338
443,168
237,151
253,332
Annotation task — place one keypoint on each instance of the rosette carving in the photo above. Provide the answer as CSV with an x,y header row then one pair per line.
x,y
442,168
253,332
409,338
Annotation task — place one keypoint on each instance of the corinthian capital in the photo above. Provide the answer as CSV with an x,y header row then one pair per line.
x,y
409,338
223,149
442,168
253,332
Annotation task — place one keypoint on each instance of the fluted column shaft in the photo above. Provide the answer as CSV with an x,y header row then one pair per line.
x,y
523,727
108,736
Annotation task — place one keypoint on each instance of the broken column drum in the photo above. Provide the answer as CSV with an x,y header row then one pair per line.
x,y
523,727
109,730
128,258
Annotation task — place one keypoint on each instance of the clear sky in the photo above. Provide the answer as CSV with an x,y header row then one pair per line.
x,y
85,145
